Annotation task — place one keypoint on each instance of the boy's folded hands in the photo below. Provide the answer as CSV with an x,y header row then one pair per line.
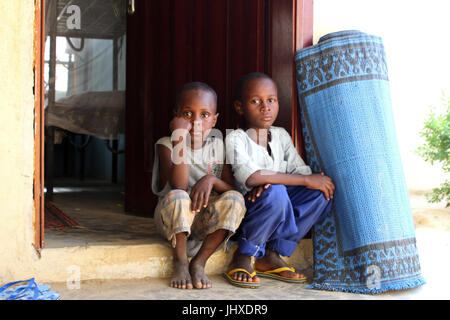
x,y
317,181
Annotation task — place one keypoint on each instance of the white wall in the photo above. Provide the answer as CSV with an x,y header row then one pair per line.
x,y
416,38
16,139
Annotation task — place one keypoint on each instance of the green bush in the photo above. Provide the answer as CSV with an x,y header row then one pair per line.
x,y
436,132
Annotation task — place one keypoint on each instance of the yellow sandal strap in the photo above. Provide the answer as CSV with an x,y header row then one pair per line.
x,y
241,270
281,269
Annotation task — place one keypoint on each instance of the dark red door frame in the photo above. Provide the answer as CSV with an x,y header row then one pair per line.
x,y
303,37
38,183
290,28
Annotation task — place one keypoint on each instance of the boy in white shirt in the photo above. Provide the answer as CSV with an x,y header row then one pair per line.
x,y
284,199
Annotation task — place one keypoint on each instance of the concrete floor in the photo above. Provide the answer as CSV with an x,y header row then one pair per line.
x,y
433,248
432,233
98,207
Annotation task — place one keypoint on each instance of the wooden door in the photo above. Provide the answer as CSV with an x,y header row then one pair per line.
x,y
173,42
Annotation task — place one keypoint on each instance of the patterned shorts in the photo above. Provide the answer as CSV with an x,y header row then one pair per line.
x,y
173,215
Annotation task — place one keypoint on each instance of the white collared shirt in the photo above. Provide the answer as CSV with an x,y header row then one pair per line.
x,y
246,156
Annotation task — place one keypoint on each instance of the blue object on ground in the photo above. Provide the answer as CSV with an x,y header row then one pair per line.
x,y
367,243
27,290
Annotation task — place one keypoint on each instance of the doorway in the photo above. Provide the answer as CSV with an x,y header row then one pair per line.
x,y
84,74
111,70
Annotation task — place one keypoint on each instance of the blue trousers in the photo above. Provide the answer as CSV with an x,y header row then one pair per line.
x,y
279,219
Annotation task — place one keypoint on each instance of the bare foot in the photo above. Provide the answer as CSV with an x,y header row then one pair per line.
x,y
271,261
244,262
182,278
199,278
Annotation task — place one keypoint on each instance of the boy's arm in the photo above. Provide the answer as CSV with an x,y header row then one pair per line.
x,y
176,174
202,189
164,165
313,181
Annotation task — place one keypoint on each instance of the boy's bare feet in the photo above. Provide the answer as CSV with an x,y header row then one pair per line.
x,y
199,278
182,278
245,262
197,265
271,261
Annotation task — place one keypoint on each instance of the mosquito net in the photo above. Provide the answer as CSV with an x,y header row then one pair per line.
x,y
85,66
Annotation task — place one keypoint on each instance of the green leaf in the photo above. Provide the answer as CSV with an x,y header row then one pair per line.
x,y
436,132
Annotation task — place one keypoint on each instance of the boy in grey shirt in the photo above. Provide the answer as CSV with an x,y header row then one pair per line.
x,y
197,202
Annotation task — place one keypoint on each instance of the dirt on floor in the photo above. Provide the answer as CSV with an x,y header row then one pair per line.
x,y
429,215
432,218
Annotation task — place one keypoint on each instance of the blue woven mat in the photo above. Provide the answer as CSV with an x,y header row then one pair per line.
x,y
367,243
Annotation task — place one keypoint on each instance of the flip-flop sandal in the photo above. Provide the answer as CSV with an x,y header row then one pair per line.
x,y
238,283
27,290
274,274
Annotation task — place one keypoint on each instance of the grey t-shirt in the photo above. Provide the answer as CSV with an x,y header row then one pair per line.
x,y
208,160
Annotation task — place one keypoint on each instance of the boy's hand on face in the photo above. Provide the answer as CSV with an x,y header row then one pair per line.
x,y
200,193
321,182
180,123
256,192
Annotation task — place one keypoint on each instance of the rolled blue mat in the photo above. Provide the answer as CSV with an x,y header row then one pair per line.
x,y
367,243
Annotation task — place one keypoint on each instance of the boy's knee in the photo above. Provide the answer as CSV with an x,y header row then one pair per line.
x,y
276,194
177,194
233,196
231,204
320,196
272,202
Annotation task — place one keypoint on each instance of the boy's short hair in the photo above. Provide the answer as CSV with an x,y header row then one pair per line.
x,y
243,81
194,86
